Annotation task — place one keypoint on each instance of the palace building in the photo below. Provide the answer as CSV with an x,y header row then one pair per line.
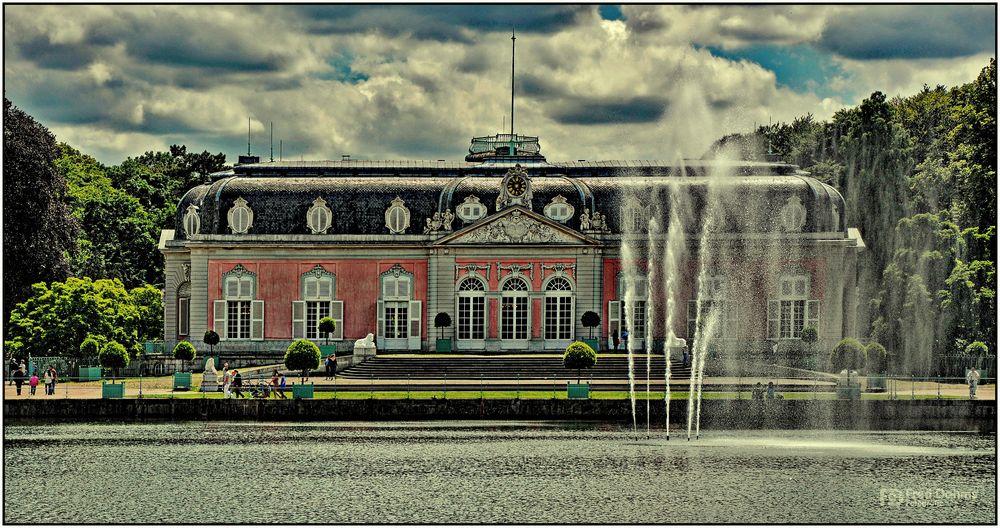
x,y
512,247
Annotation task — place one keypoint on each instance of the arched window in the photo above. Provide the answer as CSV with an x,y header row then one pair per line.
x,y
240,217
716,302
514,315
471,309
558,309
238,315
619,314
399,316
319,217
318,300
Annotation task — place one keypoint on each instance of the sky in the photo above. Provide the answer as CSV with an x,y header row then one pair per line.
x,y
594,82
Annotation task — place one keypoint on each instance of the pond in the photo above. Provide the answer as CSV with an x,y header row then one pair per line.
x,y
487,472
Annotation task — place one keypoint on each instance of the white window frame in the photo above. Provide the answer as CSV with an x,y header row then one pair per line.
x,y
791,303
470,298
521,304
554,301
639,305
716,296
396,292
239,286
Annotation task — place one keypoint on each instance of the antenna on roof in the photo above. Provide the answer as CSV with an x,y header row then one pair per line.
x,y
248,136
513,40
272,140
279,150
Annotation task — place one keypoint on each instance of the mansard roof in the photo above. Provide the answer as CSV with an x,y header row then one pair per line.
x,y
358,193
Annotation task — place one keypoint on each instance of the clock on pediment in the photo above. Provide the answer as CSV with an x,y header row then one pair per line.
x,y
515,189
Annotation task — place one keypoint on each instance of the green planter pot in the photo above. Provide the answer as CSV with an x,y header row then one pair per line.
x,y
302,390
443,345
876,384
593,342
578,390
327,350
113,390
90,373
182,380
849,393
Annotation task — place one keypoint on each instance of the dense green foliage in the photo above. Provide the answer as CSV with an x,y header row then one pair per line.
x,y
976,348
302,355
578,356
590,320
919,178
184,351
442,320
327,326
877,358
848,354
809,335
38,230
57,317
113,356
90,347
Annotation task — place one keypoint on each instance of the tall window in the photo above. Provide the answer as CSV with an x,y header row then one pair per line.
x,y
715,302
238,315
183,309
619,313
558,309
399,316
514,310
471,309
792,310
318,301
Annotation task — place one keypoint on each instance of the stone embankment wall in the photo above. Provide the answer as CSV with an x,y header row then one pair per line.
x,y
925,415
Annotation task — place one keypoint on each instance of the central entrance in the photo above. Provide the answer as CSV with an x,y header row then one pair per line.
x,y
515,314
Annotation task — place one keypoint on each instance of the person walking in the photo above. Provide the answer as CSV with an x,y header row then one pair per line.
x,y
18,379
48,381
237,384
329,368
33,383
972,378
227,380
333,367
12,370
281,387
615,341
625,339
770,390
55,378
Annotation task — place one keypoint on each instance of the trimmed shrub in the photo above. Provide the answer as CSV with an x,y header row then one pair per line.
x,y
185,351
590,320
809,335
302,355
848,354
90,348
211,339
327,326
579,355
442,320
878,358
113,356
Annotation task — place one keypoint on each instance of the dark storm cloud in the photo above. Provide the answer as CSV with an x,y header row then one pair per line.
x,y
443,23
644,109
911,32
539,87
46,54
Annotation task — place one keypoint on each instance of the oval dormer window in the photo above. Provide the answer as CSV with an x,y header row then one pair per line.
x,y
240,217
192,221
471,209
397,216
319,217
559,209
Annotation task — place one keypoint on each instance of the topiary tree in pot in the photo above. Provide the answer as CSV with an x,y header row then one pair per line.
x,y
113,356
90,348
441,321
590,320
185,352
877,358
302,355
327,326
579,355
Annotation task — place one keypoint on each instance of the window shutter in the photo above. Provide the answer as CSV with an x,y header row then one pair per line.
x,y
232,288
773,319
246,288
325,289
219,319
614,316
380,316
403,287
310,288
415,318
388,288
298,319
812,314
257,320
337,314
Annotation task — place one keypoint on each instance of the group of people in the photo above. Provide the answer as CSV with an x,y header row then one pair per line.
x,y
759,392
232,385
19,376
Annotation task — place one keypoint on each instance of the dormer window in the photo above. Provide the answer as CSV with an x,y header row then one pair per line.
x,y
192,221
240,217
319,217
559,209
397,216
471,209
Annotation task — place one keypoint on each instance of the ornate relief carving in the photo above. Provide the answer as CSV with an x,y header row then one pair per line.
x,y
439,222
186,271
396,270
517,228
793,215
559,268
516,270
515,189
593,223
318,272
239,271
470,269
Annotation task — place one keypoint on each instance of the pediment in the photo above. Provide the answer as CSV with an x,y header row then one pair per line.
x,y
516,225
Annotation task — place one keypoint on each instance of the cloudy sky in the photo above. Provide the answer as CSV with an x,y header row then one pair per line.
x,y
417,82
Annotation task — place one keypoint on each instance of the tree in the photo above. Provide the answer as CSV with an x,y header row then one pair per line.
x,y
113,356
442,320
302,355
148,301
91,347
211,339
38,230
327,326
579,355
59,316
878,358
849,354
184,351
590,320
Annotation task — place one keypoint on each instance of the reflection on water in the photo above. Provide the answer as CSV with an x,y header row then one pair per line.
x,y
486,472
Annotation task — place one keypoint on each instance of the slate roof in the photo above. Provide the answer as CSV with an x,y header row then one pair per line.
x,y
358,192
